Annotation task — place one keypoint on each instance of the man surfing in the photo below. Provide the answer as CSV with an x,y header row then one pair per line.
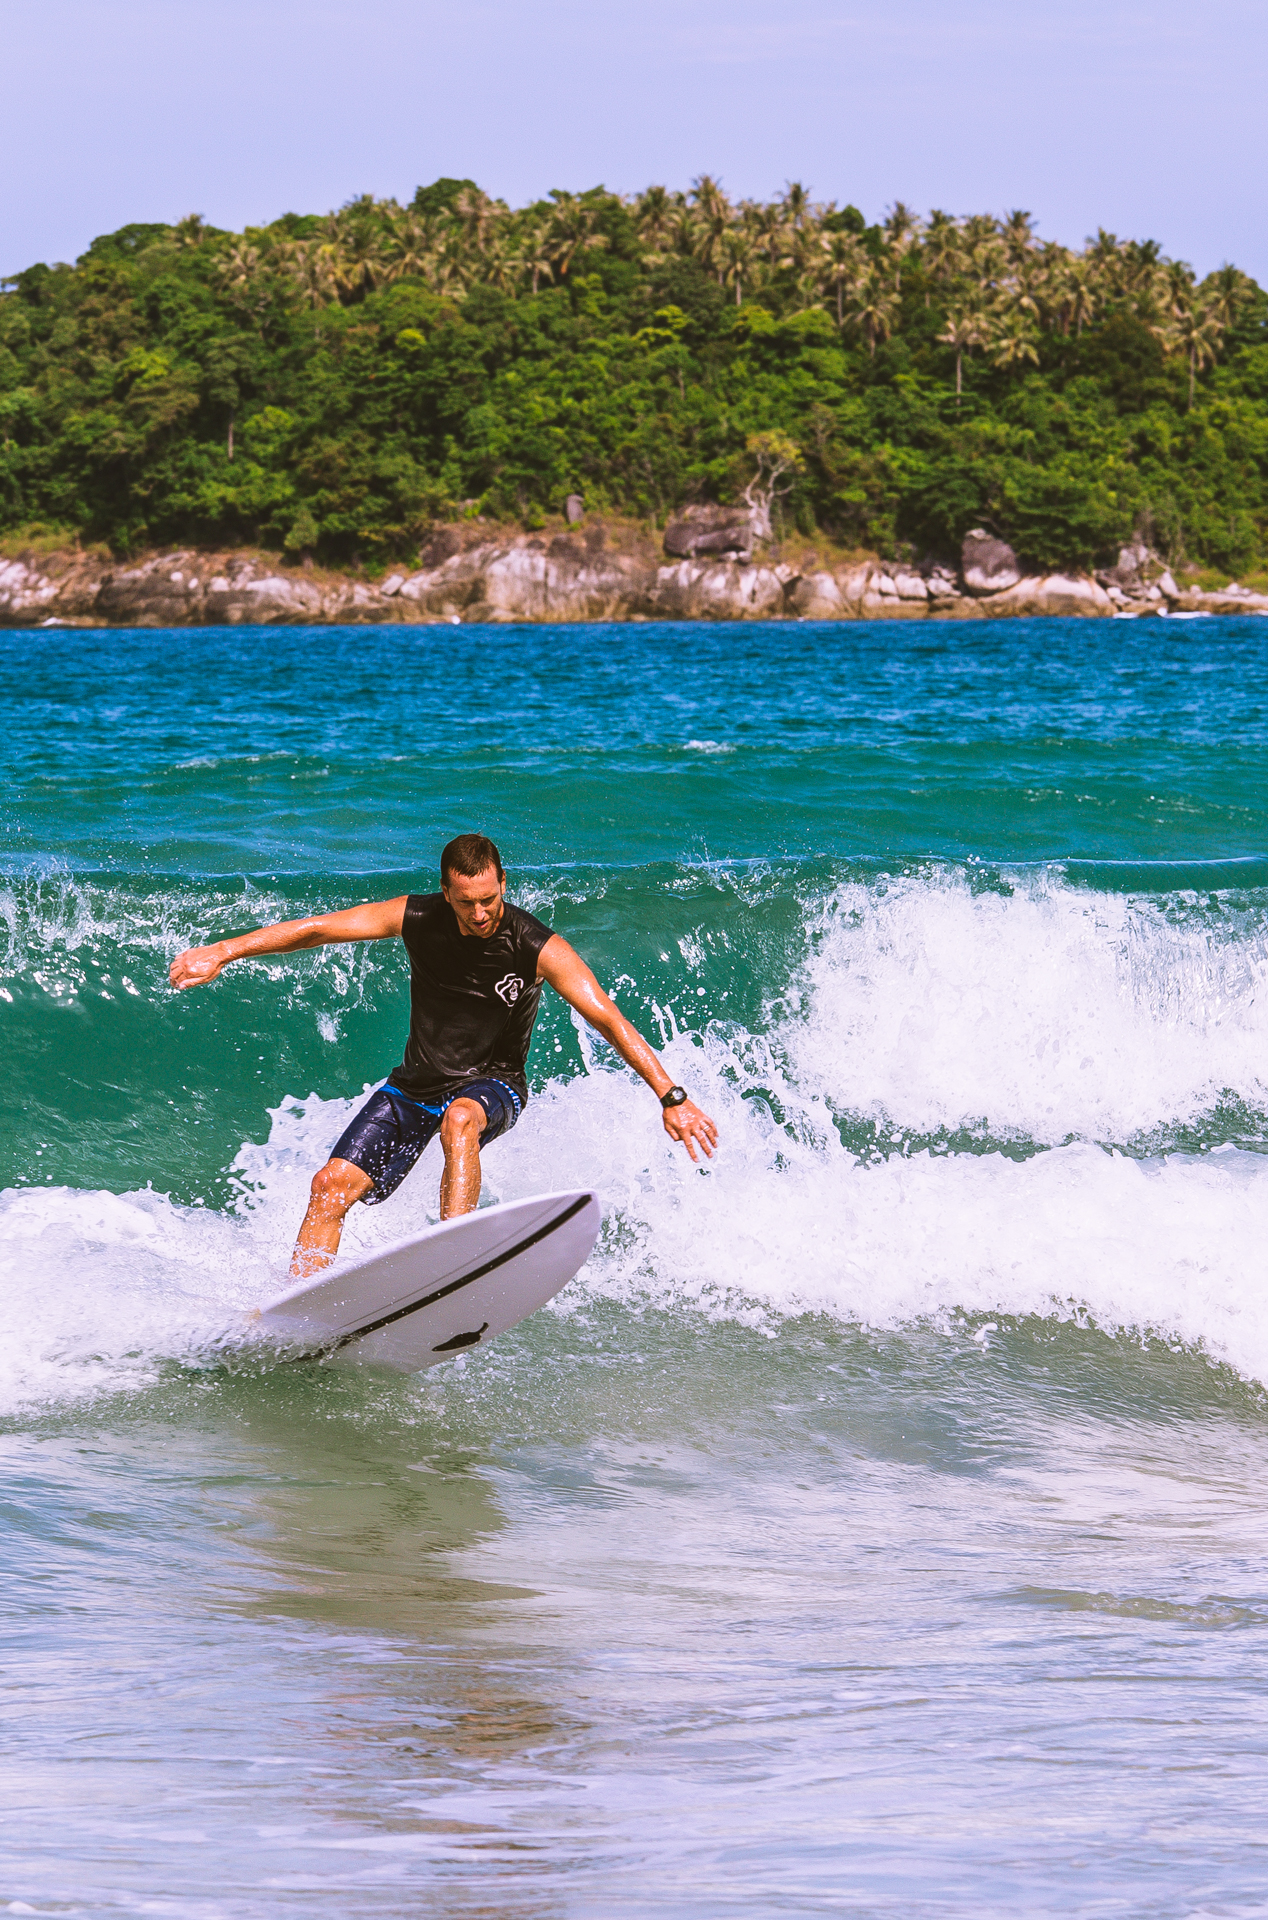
x,y
476,969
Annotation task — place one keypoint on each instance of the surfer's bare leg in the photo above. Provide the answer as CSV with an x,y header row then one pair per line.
x,y
460,1130
338,1186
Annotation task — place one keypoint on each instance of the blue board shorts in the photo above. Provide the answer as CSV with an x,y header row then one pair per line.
x,y
391,1130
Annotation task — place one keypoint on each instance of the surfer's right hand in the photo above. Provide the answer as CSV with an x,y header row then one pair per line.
x,y
196,966
691,1127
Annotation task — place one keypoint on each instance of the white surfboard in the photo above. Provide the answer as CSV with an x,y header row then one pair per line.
x,y
454,1287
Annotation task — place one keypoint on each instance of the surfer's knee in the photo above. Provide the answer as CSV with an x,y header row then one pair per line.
x,y
464,1122
338,1185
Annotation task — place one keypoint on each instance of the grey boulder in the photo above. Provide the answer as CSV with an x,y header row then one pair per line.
x,y
988,565
713,532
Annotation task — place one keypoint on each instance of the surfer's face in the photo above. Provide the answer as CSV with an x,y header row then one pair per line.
x,y
477,903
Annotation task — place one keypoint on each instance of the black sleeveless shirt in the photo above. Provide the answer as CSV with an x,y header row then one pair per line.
x,y
472,1002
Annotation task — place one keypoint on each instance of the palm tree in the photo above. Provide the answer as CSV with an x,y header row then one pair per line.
x,y
985,258
967,326
873,304
979,228
362,207
709,198
942,248
1028,285
773,232
534,246
1014,341
238,267
1017,233
243,272
901,230
361,258
572,230
449,270
1050,286
1137,279
804,255
1226,292
683,232
712,222
1196,330
477,216
845,263
1172,285
314,270
654,213
795,204
738,251
1080,294
1105,251
504,267
408,245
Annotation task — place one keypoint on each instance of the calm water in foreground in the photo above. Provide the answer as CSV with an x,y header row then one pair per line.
x,y
879,1524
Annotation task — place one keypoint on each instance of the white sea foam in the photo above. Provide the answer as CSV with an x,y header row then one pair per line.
x,y
1049,1013
780,1225
98,1287
1046,1013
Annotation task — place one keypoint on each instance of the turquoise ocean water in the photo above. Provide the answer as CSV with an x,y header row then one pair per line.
x,y
878,1524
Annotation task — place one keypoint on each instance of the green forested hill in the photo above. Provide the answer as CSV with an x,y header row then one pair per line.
x,y
334,384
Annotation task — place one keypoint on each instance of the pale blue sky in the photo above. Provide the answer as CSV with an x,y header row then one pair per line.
x,y
1146,120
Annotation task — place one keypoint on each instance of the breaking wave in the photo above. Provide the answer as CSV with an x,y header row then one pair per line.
x,y
1017,1097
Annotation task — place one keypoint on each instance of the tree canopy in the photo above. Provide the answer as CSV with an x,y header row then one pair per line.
x,y
336,383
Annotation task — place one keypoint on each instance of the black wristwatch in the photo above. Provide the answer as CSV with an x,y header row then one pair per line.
x,y
674,1098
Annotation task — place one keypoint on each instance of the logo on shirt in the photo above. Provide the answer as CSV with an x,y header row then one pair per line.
x,y
508,988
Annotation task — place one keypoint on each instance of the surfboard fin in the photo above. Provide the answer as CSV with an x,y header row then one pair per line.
x,y
461,1340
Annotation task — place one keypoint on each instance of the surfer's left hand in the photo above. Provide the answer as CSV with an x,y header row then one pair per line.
x,y
694,1128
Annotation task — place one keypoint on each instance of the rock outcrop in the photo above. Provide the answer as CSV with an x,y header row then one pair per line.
x,y
1049,594
988,565
942,584
817,596
1139,578
724,591
715,531
567,578
24,592
477,573
1229,599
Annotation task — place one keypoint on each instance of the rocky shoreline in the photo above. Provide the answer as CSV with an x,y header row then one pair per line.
x,y
711,569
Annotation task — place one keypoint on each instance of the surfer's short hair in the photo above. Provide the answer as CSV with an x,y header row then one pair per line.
x,y
471,854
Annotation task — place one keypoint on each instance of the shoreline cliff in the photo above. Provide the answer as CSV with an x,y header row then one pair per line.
x,y
713,564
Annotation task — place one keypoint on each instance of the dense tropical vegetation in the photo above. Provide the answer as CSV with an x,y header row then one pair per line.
x,y
334,384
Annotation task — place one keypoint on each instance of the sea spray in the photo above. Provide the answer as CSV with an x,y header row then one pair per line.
x,y
1032,1009
1062,1032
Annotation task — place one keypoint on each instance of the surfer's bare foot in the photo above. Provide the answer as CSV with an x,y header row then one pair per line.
x,y
308,1261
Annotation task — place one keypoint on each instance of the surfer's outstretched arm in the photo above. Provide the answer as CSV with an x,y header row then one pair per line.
x,y
569,975
373,920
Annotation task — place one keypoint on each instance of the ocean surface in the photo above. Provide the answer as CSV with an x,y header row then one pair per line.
x,y
879,1523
